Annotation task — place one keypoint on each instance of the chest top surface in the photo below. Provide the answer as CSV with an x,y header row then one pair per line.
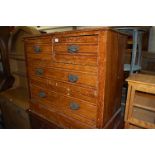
x,y
142,79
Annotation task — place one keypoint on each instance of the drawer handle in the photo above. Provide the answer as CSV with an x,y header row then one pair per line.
x,y
74,106
37,49
39,71
73,78
73,48
42,94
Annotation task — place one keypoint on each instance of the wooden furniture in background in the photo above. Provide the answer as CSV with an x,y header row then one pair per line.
x,y
14,102
140,104
75,77
6,79
148,62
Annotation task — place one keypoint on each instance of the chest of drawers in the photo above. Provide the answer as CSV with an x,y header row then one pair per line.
x,y
75,77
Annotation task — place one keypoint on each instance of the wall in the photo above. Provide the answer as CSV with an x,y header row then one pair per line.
x,y
152,40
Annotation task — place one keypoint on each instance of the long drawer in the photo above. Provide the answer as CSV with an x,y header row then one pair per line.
x,y
49,63
72,77
59,119
87,94
71,107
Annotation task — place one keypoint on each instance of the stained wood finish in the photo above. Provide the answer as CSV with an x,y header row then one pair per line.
x,y
62,103
40,40
49,63
76,59
75,39
96,59
61,120
130,126
82,48
44,48
140,108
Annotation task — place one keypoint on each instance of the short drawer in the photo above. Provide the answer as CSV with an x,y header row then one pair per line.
x,y
76,39
39,40
76,78
39,49
34,57
143,115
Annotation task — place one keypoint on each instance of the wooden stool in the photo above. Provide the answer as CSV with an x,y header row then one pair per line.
x,y
140,104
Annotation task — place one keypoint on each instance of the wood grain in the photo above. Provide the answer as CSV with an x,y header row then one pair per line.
x,y
98,63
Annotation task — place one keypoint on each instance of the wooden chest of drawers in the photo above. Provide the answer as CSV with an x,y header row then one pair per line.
x,y
75,77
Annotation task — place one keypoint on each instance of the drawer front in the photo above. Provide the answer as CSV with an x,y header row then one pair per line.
x,y
87,94
46,57
43,63
75,49
71,107
143,115
58,119
90,60
91,69
37,71
41,82
39,40
75,39
39,48
76,78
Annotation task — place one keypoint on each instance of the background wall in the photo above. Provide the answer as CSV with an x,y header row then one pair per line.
x,y
152,40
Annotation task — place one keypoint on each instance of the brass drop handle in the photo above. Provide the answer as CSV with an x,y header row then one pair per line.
x,y
73,49
42,94
39,71
72,78
37,49
74,106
